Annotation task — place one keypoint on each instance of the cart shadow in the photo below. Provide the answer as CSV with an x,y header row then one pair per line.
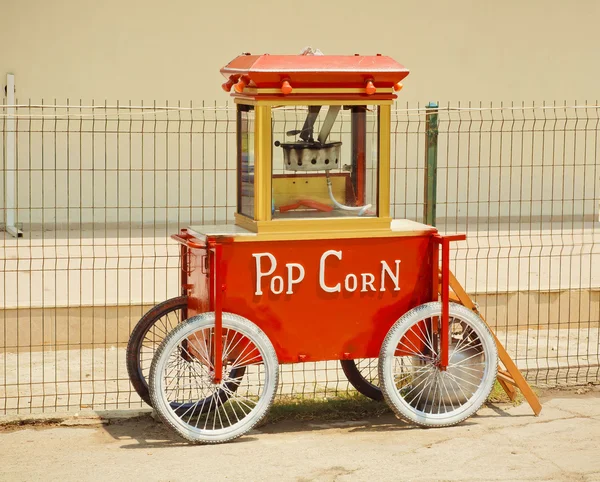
x,y
500,411
385,423
149,433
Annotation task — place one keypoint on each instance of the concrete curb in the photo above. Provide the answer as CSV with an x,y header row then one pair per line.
x,y
74,419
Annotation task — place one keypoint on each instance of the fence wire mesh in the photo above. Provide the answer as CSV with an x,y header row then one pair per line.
x,y
96,190
523,183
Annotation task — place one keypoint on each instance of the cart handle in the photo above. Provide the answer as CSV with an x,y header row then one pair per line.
x,y
187,242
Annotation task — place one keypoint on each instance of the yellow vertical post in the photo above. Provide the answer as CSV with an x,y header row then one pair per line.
x,y
385,123
262,163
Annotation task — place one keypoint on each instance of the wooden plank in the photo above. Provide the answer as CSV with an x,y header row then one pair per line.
x,y
519,379
503,355
505,378
454,298
511,392
507,385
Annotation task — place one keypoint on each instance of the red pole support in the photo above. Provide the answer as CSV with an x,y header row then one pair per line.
x,y
435,275
219,291
185,269
445,289
184,265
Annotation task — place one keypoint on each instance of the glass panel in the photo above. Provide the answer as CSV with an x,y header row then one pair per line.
x,y
325,161
245,121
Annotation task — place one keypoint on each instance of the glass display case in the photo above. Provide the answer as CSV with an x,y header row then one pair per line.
x,y
317,161
325,161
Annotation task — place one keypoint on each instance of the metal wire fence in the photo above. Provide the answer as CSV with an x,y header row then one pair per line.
x,y
524,183
96,190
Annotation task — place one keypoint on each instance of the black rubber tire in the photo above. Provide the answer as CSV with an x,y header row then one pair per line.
x,y
359,382
134,346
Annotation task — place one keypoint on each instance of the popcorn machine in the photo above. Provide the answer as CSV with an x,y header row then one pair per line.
x,y
313,268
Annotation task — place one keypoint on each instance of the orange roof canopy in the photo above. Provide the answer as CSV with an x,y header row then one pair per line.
x,y
315,71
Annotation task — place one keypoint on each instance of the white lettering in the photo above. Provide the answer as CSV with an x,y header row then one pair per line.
x,y
274,290
324,287
369,283
259,273
296,273
291,281
354,282
385,269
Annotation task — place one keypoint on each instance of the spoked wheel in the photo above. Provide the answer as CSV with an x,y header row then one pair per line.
x,y
363,375
145,338
412,383
182,387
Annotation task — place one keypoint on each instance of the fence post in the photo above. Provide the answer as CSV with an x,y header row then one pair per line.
x,y
11,167
431,150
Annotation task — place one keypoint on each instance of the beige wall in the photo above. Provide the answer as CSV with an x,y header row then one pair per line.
x,y
456,50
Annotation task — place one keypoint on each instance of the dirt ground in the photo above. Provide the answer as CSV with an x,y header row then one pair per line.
x,y
502,442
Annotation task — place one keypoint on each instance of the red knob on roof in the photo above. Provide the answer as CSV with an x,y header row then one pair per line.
x,y
370,89
286,88
229,84
239,87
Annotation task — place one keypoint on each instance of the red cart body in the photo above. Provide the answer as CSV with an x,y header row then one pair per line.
x,y
322,299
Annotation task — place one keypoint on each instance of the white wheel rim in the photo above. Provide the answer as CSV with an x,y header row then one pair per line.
x,y
182,375
427,394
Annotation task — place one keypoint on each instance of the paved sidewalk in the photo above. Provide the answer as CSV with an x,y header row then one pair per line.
x,y
500,443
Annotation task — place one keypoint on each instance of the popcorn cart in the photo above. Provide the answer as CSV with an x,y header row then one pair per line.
x,y
314,268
